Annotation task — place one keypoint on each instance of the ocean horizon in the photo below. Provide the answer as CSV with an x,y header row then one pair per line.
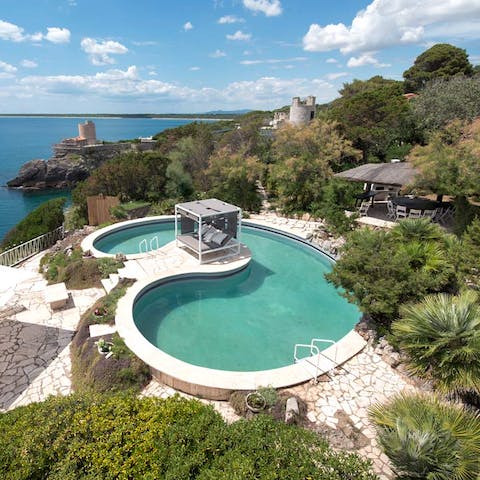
x,y
27,137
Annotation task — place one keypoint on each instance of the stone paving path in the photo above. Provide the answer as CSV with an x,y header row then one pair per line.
x,y
34,340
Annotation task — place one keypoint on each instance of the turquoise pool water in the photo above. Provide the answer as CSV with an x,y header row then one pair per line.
x,y
250,320
127,240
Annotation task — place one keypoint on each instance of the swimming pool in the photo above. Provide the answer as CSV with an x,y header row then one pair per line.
x,y
251,320
126,237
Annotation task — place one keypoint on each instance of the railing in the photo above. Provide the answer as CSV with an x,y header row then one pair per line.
x,y
21,252
316,355
142,244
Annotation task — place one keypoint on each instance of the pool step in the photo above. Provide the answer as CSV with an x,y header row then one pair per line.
x,y
111,282
132,269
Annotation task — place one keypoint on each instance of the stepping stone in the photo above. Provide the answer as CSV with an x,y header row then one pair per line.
x,y
100,329
56,295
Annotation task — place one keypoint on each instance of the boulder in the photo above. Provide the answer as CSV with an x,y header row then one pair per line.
x,y
30,174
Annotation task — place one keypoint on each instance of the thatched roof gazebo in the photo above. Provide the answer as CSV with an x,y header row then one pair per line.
x,y
395,173
207,227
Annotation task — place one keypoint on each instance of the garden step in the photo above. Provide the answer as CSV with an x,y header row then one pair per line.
x,y
107,285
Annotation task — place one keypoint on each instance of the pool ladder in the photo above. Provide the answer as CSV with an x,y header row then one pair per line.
x,y
144,243
317,359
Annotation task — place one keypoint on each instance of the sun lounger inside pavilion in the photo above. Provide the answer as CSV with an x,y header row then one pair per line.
x,y
208,228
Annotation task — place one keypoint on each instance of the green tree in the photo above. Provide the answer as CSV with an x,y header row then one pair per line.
x,y
131,176
426,438
441,60
441,336
447,98
379,271
45,218
450,165
305,160
233,178
374,115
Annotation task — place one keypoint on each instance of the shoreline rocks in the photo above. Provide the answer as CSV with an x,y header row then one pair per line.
x,y
69,166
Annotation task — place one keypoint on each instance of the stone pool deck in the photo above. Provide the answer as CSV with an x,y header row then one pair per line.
x,y
35,358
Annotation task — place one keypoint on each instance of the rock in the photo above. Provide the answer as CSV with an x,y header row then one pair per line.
x,y
291,410
30,174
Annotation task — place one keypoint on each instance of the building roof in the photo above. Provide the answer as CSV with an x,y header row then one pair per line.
x,y
208,208
400,173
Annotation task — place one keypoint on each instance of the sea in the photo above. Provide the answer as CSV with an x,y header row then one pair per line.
x,y
26,138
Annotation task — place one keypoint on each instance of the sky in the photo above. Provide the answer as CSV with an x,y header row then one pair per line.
x,y
192,56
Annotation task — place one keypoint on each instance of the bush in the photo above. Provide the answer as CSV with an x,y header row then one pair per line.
x,y
77,272
120,436
426,438
441,336
47,217
379,271
92,371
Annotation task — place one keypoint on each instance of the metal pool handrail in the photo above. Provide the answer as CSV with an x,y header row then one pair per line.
x,y
315,351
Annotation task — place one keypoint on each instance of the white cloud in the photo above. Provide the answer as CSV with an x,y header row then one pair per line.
x,y
14,33
239,35
386,23
144,43
124,85
331,60
334,76
7,68
194,69
58,35
99,51
9,31
187,26
274,60
365,59
28,64
271,8
218,54
227,19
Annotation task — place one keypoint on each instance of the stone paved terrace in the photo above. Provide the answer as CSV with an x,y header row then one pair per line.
x,y
35,359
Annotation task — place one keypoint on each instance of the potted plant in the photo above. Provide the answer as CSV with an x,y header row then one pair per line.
x,y
255,402
104,347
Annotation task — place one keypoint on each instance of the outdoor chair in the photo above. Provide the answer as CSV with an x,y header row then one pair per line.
x,y
363,210
414,213
390,210
445,215
400,212
430,214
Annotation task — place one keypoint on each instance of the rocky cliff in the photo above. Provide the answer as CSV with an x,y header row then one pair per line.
x,y
65,170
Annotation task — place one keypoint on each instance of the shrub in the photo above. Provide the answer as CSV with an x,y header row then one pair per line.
x,y
426,438
120,436
379,271
47,217
75,271
441,336
92,371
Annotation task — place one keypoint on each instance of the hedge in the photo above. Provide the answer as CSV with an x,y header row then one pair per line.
x,y
123,437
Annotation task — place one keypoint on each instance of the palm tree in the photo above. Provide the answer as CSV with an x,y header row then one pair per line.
x,y
441,336
426,438
420,229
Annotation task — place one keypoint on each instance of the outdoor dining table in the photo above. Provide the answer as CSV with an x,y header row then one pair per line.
x,y
416,203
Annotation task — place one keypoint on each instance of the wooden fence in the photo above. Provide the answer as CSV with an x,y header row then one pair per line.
x,y
21,252
99,209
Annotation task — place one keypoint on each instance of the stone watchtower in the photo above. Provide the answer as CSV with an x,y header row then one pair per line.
x,y
302,111
87,131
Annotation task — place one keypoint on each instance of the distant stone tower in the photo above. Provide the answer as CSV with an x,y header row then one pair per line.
x,y
302,112
87,131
